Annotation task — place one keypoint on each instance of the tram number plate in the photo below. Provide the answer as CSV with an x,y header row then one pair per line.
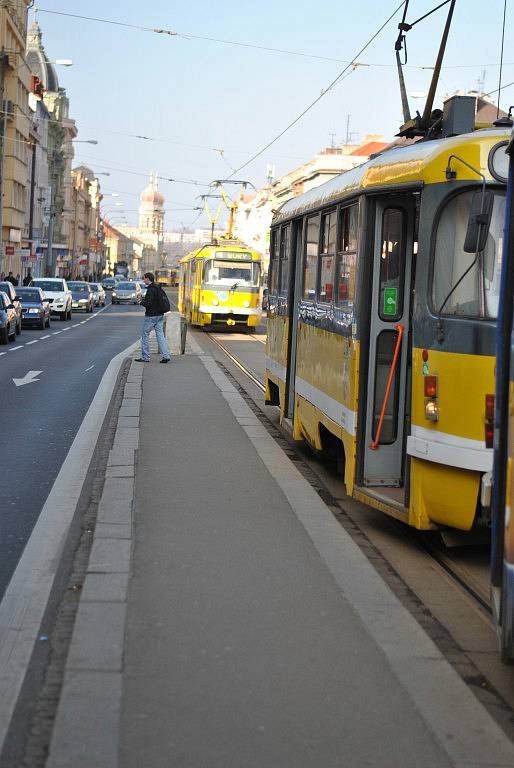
x,y
390,301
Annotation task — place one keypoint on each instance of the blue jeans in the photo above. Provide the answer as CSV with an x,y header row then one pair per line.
x,y
157,324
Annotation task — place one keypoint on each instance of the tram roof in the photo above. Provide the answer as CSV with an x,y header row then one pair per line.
x,y
424,162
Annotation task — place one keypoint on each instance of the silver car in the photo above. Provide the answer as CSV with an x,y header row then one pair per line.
x,y
126,292
98,294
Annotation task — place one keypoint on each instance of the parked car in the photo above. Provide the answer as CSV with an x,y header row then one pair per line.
x,y
127,292
58,294
35,307
8,319
108,283
143,287
98,294
82,295
9,289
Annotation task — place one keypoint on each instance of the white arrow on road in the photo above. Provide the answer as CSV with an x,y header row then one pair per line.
x,y
29,378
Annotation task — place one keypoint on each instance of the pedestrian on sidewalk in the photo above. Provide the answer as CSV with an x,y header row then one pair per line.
x,y
28,278
156,303
11,279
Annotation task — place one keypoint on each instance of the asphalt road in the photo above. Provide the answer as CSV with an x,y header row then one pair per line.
x,y
39,420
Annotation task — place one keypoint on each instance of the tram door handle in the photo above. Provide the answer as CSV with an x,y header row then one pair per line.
x,y
375,444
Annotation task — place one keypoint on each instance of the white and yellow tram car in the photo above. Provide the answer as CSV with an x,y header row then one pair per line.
x,y
219,285
381,326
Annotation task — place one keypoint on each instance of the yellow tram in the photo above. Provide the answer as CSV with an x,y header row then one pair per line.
x,y
381,325
219,285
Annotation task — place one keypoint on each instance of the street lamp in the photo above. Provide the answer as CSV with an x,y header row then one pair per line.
x,y
63,62
85,141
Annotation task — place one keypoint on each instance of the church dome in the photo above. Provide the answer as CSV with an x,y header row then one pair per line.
x,y
38,60
151,197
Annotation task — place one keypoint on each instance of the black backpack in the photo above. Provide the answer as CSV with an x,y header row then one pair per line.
x,y
163,303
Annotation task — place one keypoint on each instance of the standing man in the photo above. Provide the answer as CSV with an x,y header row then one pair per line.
x,y
11,279
156,304
28,277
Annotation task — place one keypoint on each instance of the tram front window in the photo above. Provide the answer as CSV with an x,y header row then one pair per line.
x,y
229,273
477,293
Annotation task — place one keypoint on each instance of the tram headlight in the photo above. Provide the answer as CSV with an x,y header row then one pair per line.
x,y
498,161
215,302
431,409
246,303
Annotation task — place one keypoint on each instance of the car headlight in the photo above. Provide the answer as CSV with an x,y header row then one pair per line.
x,y
33,311
133,295
82,301
114,293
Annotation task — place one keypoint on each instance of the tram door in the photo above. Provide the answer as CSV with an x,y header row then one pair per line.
x,y
295,276
388,342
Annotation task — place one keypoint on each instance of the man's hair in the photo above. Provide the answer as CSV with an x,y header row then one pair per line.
x,y
150,276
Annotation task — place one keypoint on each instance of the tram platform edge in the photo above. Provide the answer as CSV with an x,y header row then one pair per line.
x,y
228,620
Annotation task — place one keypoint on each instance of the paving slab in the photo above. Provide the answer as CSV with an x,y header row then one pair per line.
x,y
79,723
120,471
109,556
105,587
121,456
97,642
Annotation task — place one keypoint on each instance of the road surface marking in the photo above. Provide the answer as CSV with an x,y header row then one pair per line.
x,y
13,349
55,333
27,595
46,337
76,325
90,368
29,378
2,353
32,342
67,329
82,322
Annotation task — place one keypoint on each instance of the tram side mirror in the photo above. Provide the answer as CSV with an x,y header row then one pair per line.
x,y
479,221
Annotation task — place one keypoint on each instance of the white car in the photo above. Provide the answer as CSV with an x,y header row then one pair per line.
x,y
58,294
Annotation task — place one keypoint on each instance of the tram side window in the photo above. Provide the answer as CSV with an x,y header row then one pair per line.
x,y
274,266
392,264
328,250
475,294
346,264
284,260
310,264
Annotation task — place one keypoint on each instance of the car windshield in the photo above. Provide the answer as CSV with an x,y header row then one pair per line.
x,y
95,286
54,286
230,273
79,288
28,294
5,288
127,286
109,281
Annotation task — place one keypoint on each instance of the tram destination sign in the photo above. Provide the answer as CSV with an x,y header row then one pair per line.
x,y
390,301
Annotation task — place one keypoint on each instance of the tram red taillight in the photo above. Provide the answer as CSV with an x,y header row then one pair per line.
x,y
430,384
489,421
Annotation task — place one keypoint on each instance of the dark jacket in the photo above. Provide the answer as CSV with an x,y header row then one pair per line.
x,y
151,301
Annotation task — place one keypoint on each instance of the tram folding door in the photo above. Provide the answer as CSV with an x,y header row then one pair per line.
x,y
388,342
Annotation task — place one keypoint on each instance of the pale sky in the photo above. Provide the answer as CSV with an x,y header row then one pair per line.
x,y
196,96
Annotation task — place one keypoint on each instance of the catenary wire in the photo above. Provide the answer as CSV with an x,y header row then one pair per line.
x,y
343,73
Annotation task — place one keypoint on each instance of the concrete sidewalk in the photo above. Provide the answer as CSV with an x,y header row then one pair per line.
x,y
228,620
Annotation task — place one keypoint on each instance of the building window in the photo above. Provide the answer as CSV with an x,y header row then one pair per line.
x,y
310,263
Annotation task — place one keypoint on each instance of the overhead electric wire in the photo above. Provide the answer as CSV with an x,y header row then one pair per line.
x,y
323,93
501,58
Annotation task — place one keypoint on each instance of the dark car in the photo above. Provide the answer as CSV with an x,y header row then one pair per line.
x,y
35,307
82,295
11,291
8,319
108,283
